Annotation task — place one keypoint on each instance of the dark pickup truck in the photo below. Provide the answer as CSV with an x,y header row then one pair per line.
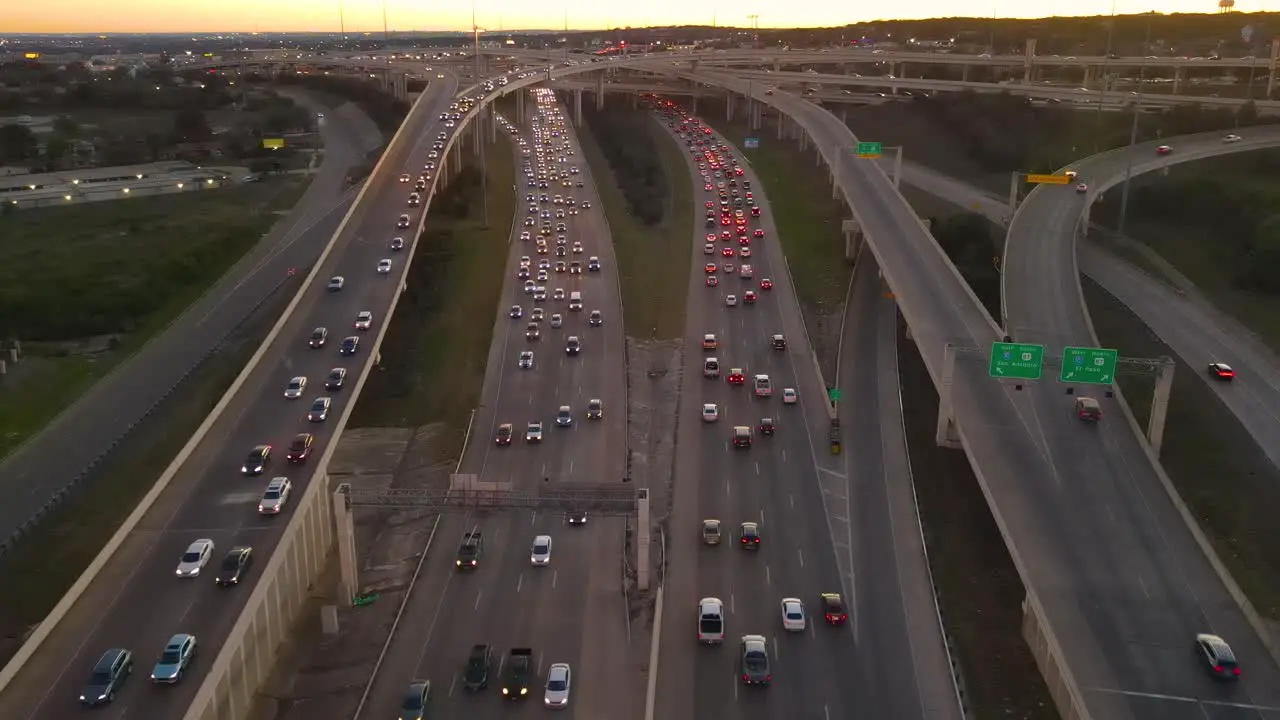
x,y
470,550
515,686
476,676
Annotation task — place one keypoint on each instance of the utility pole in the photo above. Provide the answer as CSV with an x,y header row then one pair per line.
x,y
479,126
755,29
1133,136
342,22
386,48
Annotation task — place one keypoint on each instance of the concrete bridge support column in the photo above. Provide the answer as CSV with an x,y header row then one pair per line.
x,y
844,114
643,540
477,134
345,533
964,73
600,92
782,121
577,108
1028,70
946,435
777,66
1088,78
1271,67
1160,404
852,239
491,117
728,107
1177,80
520,107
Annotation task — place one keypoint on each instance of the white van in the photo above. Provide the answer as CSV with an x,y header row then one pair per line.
x,y
746,271
711,368
764,388
575,300
710,621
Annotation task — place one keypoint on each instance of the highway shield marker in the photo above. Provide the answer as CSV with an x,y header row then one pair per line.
x,y
1095,366
1022,361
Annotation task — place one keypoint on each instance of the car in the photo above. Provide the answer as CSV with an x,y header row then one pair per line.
x,y
174,659
833,608
709,342
564,416
275,497
1082,187
296,387
234,566
318,337
336,283
516,312
336,378
319,411
195,558
259,458
531,332
559,682
572,345
710,531
711,620
533,432
1217,657
741,437
755,212
793,617
540,551
727,252
1088,409
731,300
712,281
595,409
766,426
1221,371
479,662
753,656
1164,149
364,320
744,252
397,243
1233,138
789,396
404,178
736,377
349,345
710,413
766,284
595,318
758,232
529,287
557,319
749,536
558,294
536,314
593,264
710,268
416,699
300,447
384,266
403,222
749,297
502,436
577,248
763,386
107,677
708,249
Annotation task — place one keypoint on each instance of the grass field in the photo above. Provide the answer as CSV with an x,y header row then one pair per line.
x,y
46,562
809,227
1205,450
66,263
979,590
435,351
653,262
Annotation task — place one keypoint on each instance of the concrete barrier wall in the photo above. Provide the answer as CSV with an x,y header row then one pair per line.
x,y
1044,647
82,195
249,652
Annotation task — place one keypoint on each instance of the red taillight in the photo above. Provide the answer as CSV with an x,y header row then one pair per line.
x,y
745,678
768,678
1217,669
1235,671
756,541
744,541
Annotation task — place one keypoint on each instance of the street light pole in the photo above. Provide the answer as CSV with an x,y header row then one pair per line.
x,y
1133,137
1106,58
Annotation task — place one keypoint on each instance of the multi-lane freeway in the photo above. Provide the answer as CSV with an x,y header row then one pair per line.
x,y
572,610
137,602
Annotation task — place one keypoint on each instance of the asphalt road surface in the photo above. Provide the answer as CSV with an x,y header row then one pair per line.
x,y
572,610
137,602
775,483
89,428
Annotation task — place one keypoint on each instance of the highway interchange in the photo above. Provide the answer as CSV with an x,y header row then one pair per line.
x,y
1192,597
210,498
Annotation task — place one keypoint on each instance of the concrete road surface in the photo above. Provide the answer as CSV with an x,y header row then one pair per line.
x,y
572,610
91,427
137,602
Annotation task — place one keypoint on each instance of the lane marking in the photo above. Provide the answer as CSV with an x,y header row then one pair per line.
x,y
1181,699
476,605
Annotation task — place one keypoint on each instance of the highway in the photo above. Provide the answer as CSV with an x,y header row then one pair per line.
x,y
138,603
573,610
94,424
785,485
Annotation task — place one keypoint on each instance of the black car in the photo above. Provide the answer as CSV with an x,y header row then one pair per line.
x,y
336,377
318,336
257,462
349,345
108,676
234,566
300,448
397,243
476,676
576,517
414,706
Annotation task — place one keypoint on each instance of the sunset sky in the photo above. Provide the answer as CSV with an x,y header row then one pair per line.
x,y
93,16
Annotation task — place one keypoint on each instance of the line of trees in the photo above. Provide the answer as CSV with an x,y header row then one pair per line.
x,y
386,111
626,138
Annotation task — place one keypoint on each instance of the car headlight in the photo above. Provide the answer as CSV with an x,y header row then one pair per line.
x,y
506,691
524,691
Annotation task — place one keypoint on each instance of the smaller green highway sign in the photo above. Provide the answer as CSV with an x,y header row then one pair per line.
x,y
833,394
751,143
868,149
1089,365
1022,361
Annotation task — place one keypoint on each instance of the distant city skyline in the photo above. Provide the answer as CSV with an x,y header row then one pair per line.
x,y
366,16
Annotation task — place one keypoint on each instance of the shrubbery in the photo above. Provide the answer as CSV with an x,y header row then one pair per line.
x,y
969,240
384,109
626,138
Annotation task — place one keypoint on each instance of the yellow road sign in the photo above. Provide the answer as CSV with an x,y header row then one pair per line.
x,y
1048,179
272,143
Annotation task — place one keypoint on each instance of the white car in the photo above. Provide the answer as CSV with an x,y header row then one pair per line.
x,y
1082,188
793,619
710,413
730,300
364,320
556,320
558,294
540,553
275,497
536,315
708,249
195,558
295,388
1233,138
384,266
524,261
577,248
529,287
404,178
526,235
789,396
559,680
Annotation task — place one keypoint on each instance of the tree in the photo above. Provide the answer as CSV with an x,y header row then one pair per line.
x,y
17,144
65,126
190,125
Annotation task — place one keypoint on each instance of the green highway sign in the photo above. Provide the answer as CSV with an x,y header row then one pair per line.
x,y
868,150
751,143
1016,360
1089,365
833,394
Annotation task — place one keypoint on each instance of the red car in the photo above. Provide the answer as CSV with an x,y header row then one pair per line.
x,y
712,281
742,231
726,235
758,233
709,204
749,297
736,378
833,608
1221,371
725,221
1164,150
707,187
744,240
710,268
755,212
766,284
727,252
503,435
